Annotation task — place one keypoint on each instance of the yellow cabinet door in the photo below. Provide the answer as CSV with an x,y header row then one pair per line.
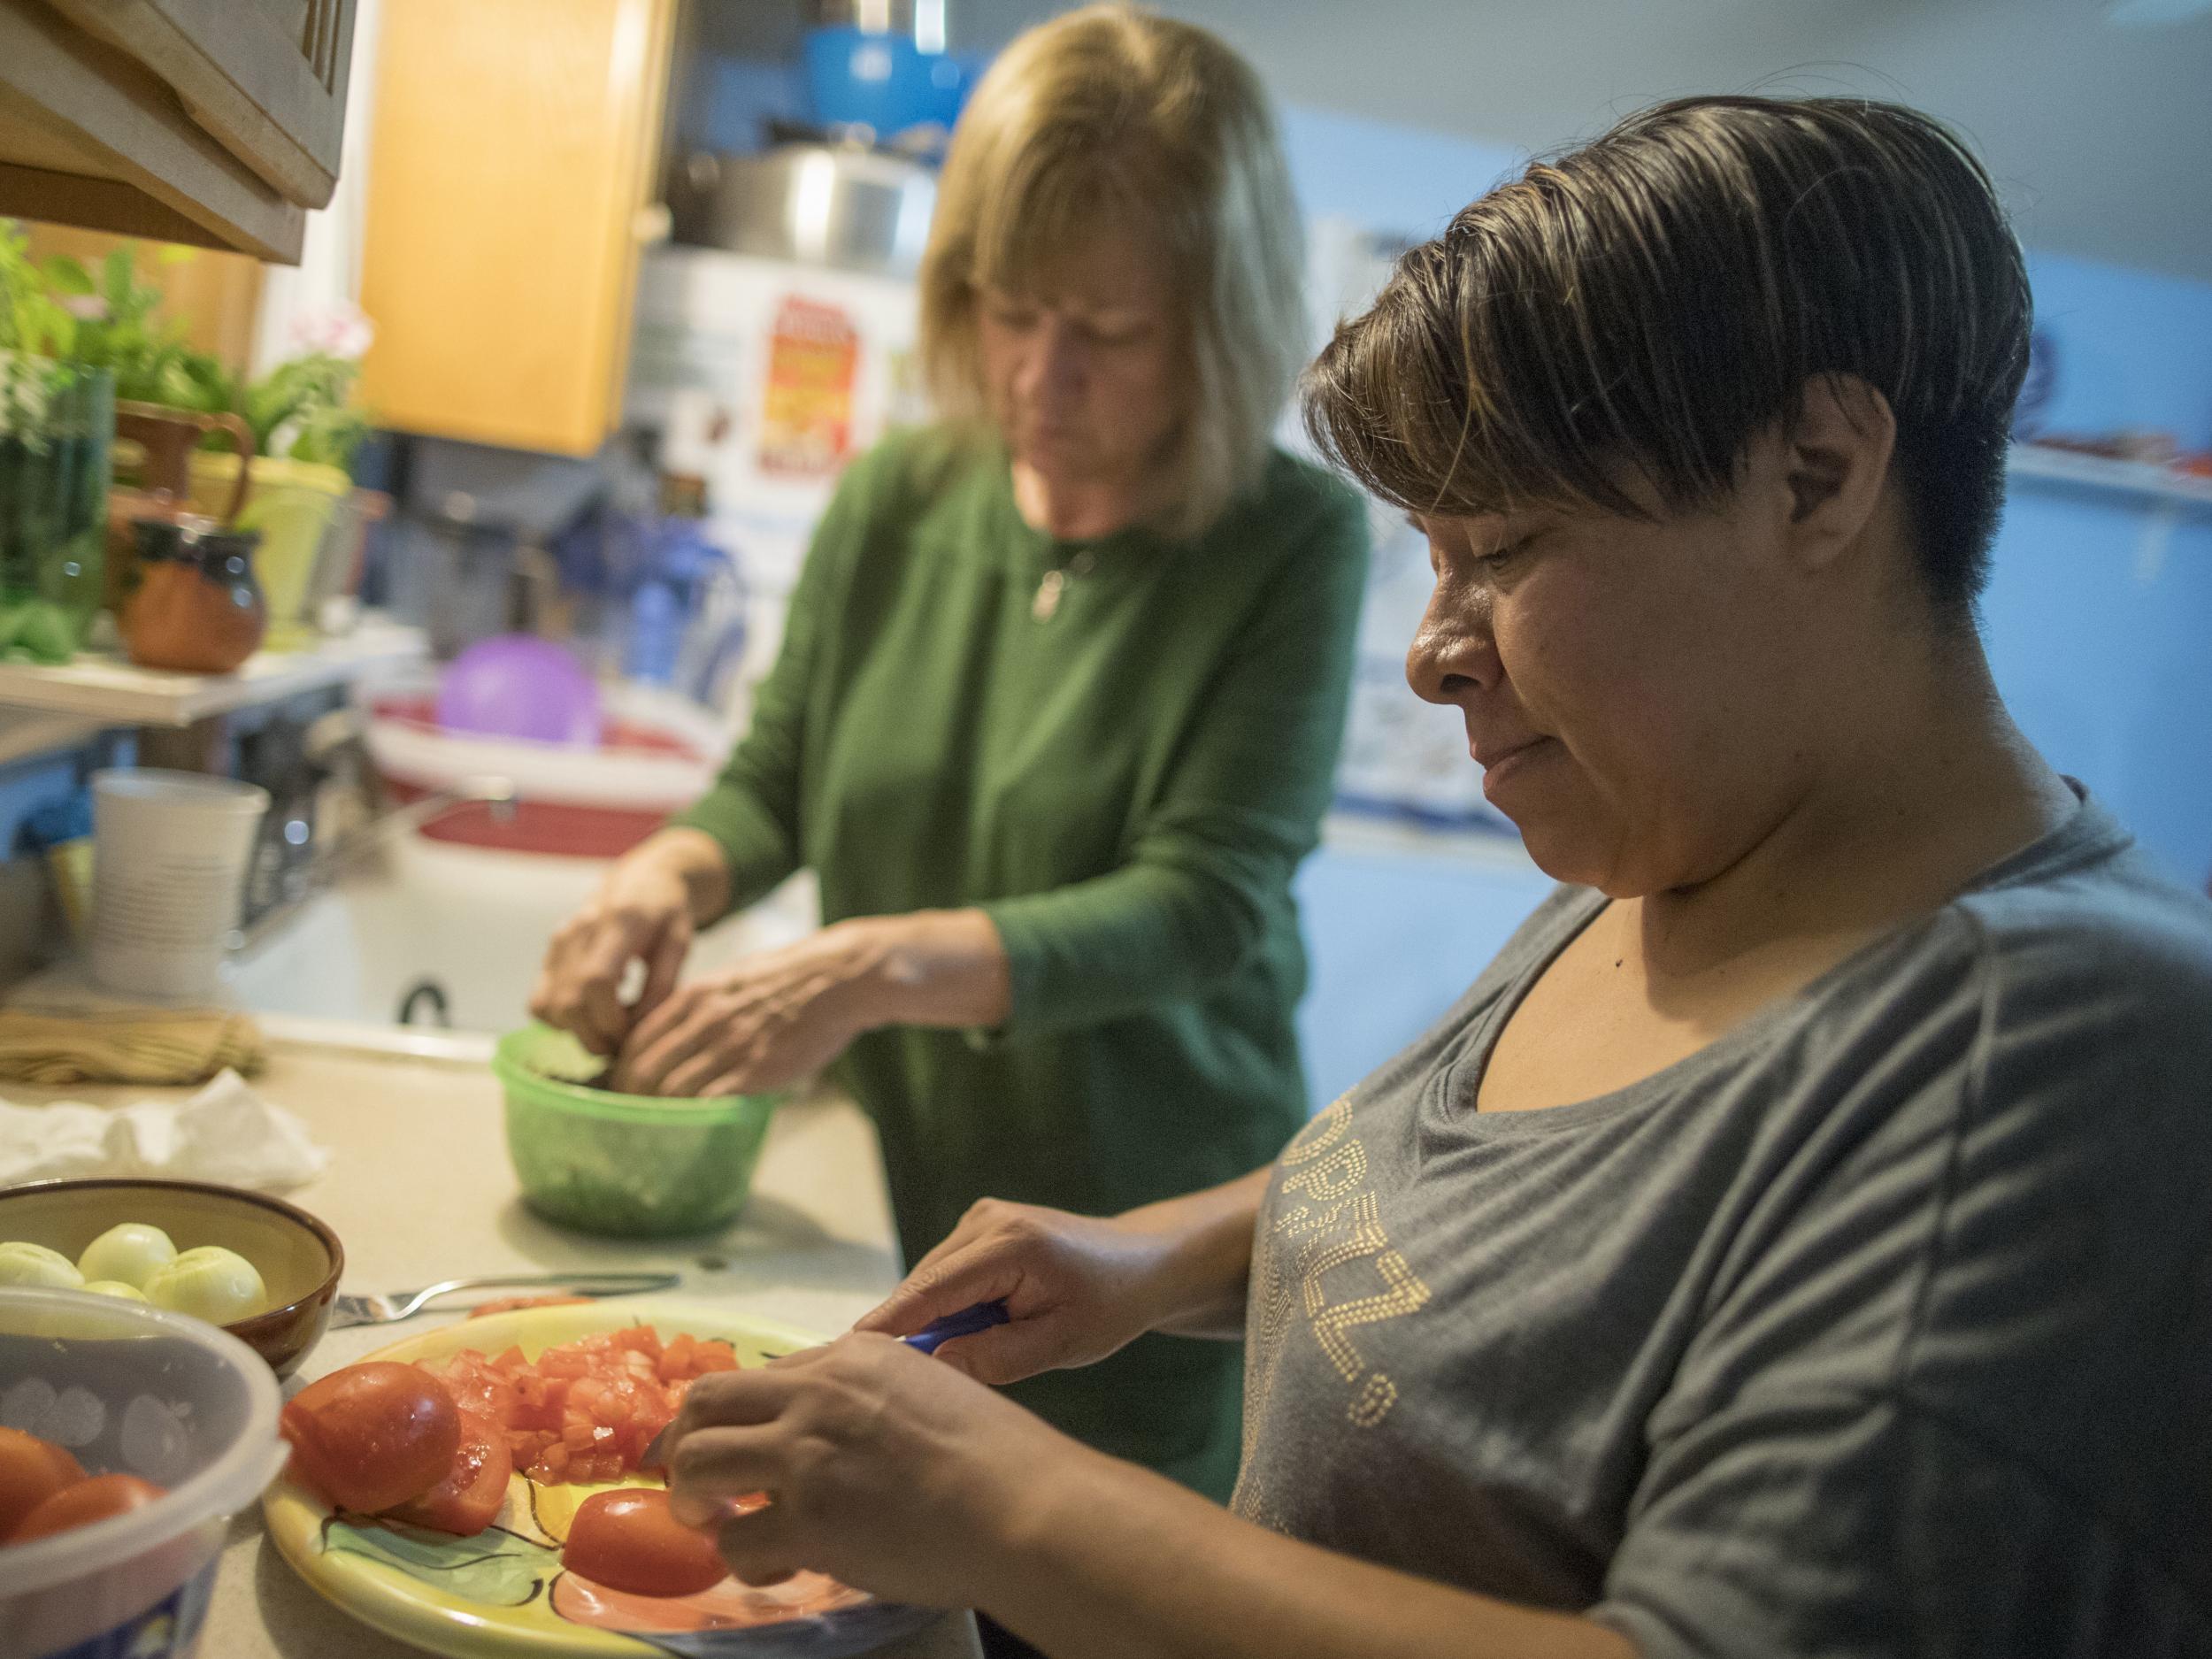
x,y
510,156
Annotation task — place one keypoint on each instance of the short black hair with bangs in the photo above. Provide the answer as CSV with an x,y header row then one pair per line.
x,y
1658,297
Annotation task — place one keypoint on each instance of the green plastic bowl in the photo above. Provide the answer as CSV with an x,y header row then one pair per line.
x,y
629,1166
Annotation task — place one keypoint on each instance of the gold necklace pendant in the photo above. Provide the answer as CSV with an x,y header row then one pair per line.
x,y
1048,599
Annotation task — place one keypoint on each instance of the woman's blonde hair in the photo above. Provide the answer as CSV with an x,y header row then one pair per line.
x,y
1111,109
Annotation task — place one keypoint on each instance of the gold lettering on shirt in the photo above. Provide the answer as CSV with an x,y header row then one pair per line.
x,y
1330,1244
1405,1294
1374,1401
1306,1144
1311,1248
1339,1173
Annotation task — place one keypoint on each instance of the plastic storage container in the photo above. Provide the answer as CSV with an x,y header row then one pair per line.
x,y
130,1389
630,1166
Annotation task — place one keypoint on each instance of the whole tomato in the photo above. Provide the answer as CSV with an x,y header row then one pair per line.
x,y
31,1471
95,1499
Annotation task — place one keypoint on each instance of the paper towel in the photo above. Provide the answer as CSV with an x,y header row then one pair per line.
x,y
226,1132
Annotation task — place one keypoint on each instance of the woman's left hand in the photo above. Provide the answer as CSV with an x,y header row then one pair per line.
x,y
780,1015
767,1022
886,1470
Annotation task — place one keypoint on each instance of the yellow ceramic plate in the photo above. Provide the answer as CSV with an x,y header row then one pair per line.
x,y
503,1593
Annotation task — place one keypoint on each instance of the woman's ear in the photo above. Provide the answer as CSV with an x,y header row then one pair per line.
x,y
1837,465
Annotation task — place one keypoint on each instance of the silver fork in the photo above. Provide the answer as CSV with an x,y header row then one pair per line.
x,y
386,1306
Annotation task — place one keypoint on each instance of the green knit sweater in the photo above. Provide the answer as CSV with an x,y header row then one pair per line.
x,y
1124,780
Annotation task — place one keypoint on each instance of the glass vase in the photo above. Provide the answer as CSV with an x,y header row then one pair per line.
x,y
56,433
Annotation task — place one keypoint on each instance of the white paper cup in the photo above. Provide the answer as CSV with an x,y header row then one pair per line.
x,y
169,857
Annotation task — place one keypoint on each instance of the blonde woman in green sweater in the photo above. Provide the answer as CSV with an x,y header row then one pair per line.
x,y
1055,714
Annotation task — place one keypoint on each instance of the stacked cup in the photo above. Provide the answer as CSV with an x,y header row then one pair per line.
x,y
169,850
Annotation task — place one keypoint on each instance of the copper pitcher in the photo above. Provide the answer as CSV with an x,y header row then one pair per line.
x,y
168,436
196,605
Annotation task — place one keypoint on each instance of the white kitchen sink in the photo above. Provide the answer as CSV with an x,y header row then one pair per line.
x,y
454,936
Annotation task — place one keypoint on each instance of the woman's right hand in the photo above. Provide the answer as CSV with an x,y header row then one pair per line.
x,y
641,912
1079,1287
1074,1288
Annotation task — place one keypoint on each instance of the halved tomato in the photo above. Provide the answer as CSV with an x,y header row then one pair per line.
x,y
84,1502
630,1539
31,1471
373,1435
467,1500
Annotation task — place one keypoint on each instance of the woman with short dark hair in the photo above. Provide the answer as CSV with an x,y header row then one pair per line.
x,y
1795,1242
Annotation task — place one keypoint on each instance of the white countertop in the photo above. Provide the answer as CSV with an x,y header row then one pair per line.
x,y
419,1189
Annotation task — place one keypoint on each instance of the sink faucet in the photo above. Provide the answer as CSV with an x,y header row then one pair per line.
x,y
494,792
323,869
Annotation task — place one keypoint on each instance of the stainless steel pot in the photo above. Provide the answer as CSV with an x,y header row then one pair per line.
x,y
847,206
922,19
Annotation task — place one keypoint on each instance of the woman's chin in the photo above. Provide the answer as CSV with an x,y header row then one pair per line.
x,y
1567,851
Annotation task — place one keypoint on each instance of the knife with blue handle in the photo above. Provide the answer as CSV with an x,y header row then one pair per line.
x,y
967,1322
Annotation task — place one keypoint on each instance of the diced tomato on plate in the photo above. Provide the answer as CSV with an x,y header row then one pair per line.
x,y
584,1411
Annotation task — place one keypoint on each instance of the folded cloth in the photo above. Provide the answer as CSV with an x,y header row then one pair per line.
x,y
126,1045
226,1133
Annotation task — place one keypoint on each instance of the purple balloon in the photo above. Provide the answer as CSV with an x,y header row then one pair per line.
x,y
516,684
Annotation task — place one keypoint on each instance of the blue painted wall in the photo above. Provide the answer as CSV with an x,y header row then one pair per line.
x,y
2098,618
1395,937
725,102
1385,177
2134,348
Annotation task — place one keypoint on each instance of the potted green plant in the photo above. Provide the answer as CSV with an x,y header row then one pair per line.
x,y
307,426
301,417
324,425
116,324
107,319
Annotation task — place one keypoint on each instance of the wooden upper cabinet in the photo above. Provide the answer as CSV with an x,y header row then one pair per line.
x,y
209,121
511,158
266,77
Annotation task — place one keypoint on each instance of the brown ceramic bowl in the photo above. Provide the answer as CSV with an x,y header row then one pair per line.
x,y
298,1258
